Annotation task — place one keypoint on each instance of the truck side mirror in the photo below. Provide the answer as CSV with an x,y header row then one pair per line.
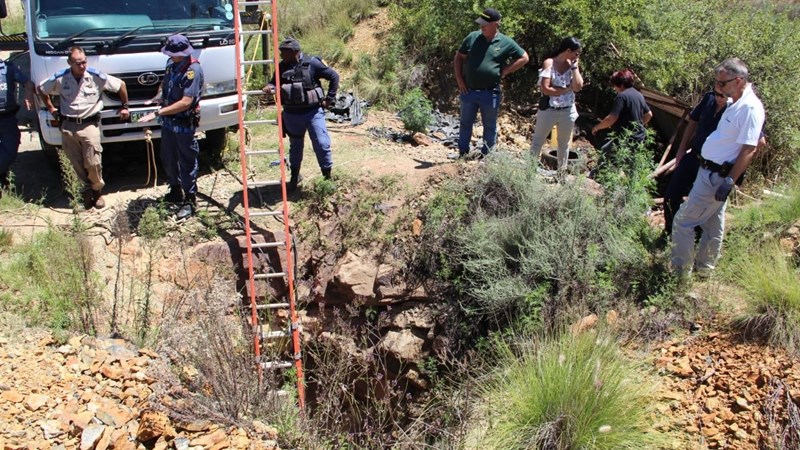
x,y
3,9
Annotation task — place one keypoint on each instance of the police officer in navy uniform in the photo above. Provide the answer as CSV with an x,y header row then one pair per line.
x,y
10,75
303,105
180,116
80,88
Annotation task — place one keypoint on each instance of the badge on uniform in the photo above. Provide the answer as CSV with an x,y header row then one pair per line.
x,y
190,74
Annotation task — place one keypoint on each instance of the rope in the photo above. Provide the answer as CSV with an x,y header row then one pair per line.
x,y
151,157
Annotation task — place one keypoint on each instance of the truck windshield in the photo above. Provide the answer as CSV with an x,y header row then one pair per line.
x,y
59,19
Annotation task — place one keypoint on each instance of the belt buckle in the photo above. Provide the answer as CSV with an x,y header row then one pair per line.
x,y
78,120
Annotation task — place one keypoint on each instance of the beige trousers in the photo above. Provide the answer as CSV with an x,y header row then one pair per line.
x,y
81,144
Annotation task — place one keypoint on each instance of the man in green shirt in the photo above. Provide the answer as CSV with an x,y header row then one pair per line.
x,y
485,57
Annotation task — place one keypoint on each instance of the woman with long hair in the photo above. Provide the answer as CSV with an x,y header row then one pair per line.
x,y
559,79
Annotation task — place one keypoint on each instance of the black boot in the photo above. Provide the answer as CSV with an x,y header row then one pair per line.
x,y
175,194
295,180
326,173
88,199
189,205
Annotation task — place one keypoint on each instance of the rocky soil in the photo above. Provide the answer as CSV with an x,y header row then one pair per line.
x,y
98,394
720,392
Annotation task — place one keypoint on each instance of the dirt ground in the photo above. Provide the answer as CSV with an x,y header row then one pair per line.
x,y
715,390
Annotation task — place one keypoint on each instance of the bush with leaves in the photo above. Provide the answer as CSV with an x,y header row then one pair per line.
x,y
531,251
416,111
673,46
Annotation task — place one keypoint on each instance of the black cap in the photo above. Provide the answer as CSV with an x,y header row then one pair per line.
x,y
488,16
289,44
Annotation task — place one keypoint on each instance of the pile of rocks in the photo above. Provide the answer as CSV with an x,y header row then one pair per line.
x,y
722,389
97,394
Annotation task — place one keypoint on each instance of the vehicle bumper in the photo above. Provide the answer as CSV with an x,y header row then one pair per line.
x,y
215,113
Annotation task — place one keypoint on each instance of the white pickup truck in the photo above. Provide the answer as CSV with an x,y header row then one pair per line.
x,y
123,38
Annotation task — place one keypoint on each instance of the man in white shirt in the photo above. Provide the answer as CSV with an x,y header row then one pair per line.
x,y
725,155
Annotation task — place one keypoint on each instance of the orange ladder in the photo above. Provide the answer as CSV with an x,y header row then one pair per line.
x,y
262,310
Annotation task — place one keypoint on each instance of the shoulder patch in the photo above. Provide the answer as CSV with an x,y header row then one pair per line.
x,y
59,74
190,74
96,72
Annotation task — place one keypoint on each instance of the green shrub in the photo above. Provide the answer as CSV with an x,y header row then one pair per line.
x,y
755,224
416,111
51,282
526,248
6,239
574,392
672,45
772,284
624,174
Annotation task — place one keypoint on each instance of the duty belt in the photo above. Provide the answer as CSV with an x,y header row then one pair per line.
x,y
496,86
95,118
722,169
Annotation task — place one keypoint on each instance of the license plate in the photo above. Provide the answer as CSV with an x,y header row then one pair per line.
x,y
136,115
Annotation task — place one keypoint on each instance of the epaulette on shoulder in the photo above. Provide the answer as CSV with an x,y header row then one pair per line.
x,y
96,72
60,74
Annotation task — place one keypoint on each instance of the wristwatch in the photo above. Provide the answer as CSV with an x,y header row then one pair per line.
x,y
728,180
125,106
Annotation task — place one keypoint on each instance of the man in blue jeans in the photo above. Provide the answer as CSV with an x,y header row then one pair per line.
x,y
485,57
304,103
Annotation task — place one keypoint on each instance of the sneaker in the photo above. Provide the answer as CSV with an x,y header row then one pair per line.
x,y
455,156
186,211
475,155
703,273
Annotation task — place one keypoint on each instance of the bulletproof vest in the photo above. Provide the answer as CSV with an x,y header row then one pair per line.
x,y
190,117
7,92
298,88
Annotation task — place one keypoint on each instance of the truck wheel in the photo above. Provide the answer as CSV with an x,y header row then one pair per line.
x,y
213,145
50,153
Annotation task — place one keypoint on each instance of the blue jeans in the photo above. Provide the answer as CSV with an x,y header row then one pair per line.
x,y
9,142
296,124
179,155
488,102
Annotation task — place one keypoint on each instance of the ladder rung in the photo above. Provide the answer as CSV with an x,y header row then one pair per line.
x,y
253,33
261,152
266,213
268,276
269,365
258,61
258,92
255,2
258,184
261,121
268,245
271,306
276,334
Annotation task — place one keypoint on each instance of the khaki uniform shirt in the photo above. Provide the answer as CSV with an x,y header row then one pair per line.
x,y
80,98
